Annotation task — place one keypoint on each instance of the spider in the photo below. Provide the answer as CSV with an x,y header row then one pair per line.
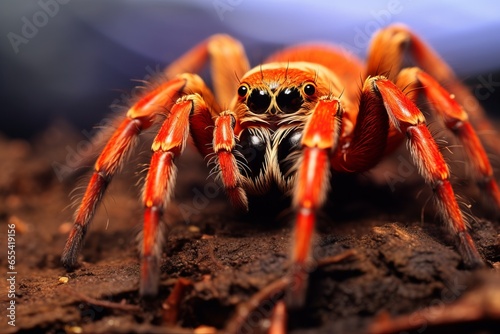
x,y
292,122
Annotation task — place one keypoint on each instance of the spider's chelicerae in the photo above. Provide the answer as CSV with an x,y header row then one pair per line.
x,y
292,122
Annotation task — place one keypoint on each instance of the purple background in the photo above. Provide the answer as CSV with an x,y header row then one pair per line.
x,y
84,54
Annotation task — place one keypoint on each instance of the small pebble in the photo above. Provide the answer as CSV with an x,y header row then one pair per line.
x,y
73,329
205,330
63,279
20,225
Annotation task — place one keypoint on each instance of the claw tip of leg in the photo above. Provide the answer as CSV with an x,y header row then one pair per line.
x,y
69,258
296,294
471,257
149,277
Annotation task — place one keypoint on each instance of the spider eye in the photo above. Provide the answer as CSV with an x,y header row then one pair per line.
x,y
259,101
242,91
309,89
289,100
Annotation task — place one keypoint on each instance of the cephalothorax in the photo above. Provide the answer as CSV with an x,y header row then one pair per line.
x,y
293,121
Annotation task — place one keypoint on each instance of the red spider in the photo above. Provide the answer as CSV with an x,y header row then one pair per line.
x,y
293,121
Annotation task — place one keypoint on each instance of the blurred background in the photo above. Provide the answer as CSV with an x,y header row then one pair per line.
x,y
75,59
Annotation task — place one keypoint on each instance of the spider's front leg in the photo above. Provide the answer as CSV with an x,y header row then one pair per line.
x,y
190,115
319,141
168,144
226,167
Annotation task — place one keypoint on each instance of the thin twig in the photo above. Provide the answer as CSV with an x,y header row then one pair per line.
x,y
244,310
272,294
103,303
171,304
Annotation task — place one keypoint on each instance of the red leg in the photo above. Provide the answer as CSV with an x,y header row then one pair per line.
x,y
408,119
190,114
227,169
139,117
319,140
168,144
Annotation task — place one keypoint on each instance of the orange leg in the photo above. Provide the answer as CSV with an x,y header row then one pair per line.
x,y
139,117
319,140
228,62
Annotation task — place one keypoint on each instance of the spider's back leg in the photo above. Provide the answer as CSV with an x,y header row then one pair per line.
x,y
139,117
455,119
385,57
383,100
406,117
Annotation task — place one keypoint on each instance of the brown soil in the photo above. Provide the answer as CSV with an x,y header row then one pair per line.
x,y
399,263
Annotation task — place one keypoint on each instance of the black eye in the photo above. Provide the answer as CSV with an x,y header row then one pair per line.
x,y
309,89
259,101
289,100
242,91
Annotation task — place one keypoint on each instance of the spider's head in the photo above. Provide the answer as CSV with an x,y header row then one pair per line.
x,y
277,90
